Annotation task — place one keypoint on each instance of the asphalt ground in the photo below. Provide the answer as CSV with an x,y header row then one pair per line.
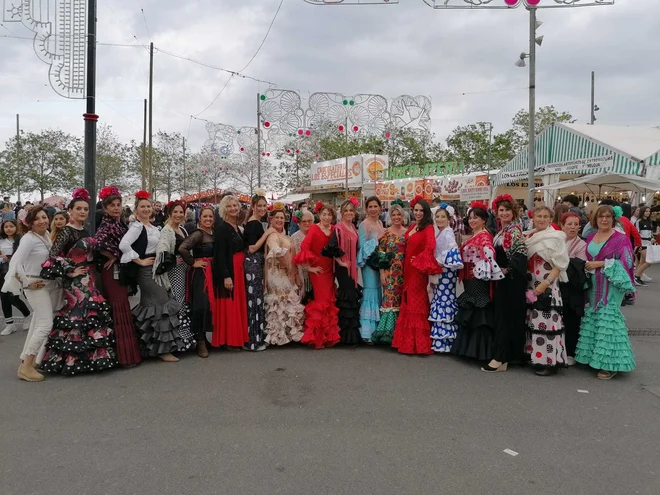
x,y
337,421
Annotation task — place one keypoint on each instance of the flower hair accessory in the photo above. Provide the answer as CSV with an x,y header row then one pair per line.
x,y
260,192
109,191
318,207
449,209
397,202
297,217
177,202
81,193
618,212
354,200
479,204
277,206
415,200
500,198
142,194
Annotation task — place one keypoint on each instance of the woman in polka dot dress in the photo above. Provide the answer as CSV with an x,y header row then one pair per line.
x,y
444,306
547,263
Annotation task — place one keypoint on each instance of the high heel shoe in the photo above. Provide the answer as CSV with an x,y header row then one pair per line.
x,y
487,368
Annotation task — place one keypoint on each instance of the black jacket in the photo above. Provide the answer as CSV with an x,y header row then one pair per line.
x,y
227,242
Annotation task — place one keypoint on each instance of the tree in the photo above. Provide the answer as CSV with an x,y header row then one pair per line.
x,y
12,167
112,160
544,117
242,172
168,163
476,148
53,161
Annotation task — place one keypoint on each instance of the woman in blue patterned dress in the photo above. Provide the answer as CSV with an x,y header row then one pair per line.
x,y
370,231
443,305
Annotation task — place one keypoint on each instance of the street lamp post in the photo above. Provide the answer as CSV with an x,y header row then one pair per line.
x,y
531,150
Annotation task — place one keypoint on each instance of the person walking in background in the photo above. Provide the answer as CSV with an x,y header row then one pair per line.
x,y
9,242
370,232
108,236
645,228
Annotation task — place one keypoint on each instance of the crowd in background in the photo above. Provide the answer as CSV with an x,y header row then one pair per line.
x,y
497,286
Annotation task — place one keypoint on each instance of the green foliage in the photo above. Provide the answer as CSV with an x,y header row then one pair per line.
x,y
544,117
478,149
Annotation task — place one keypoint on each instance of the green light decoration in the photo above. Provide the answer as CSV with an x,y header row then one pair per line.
x,y
351,103
345,102
238,132
262,97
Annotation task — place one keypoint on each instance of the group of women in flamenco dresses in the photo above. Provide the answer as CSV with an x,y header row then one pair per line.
x,y
223,285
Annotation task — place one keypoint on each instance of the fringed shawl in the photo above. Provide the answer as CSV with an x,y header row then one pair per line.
x,y
347,239
617,247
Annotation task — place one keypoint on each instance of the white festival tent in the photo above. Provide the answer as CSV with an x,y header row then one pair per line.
x,y
606,183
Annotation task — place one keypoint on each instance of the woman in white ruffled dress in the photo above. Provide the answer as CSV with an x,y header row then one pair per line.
x,y
284,313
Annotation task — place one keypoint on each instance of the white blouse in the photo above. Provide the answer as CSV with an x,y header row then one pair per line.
x,y
6,247
134,231
30,255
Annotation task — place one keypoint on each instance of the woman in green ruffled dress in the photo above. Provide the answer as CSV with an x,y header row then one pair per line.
x,y
604,343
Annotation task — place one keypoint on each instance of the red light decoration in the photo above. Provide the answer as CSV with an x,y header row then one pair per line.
x,y
388,135
317,156
288,151
308,132
242,149
341,128
300,132
263,154
266,124
355,128
267,154
297,151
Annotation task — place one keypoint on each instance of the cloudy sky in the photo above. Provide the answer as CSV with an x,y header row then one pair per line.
x,y
462,60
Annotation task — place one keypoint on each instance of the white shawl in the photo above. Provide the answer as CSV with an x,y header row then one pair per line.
x,y
166,244
550,245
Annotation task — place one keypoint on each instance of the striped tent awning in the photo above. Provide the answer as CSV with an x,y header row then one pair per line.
x,y
562,150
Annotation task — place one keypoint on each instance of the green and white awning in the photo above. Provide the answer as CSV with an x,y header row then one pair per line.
x,y
580,149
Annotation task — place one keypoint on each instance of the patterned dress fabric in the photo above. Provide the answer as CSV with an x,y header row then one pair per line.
x,y
393,245
371,287
604,343
412,334
444,306
343,246
81,340
303,274
546,335
108,236
284,313
177,276
321,327
254,281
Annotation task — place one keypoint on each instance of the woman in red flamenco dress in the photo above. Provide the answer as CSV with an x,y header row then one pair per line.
x,y
412,334
321,314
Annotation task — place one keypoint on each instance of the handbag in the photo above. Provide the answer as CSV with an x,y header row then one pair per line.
x,y
544,301
653,254
168,262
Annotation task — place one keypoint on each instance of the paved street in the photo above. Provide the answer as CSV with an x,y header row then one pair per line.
x,y
339,421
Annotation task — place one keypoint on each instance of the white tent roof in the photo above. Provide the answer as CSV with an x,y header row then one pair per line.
x,y
638,142
605,182
294,198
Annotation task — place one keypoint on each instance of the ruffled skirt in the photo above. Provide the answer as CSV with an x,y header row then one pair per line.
x,y
179,287
385,331
348,303
475,321
156,317
371,300
443,312
284,312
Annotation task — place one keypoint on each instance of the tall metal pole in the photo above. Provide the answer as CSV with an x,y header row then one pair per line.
x,y
90,116
151,121
531,155
184,166
346,153
17,168
143,161
593,97
258,140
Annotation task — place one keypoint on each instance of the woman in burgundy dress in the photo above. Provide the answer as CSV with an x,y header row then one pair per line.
x,y
412,334
108,236
321,315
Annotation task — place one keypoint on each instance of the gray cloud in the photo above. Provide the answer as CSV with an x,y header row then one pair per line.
x,y
402,49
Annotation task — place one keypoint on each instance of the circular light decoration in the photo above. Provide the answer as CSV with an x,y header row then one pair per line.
x,y
297,151
351,103
267,154
308,132
242,149
345,102
266,124
341,128
288,151
263,153
355,128
300,132
388,135
317,156
262,97
238,132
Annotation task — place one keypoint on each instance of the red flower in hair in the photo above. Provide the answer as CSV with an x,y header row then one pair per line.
x,y
318,206
530,214
355,201
479,204
81,193
109,191
416,200
142,194
170,206
500,198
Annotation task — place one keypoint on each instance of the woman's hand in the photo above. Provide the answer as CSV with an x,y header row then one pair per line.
x,y
341,263
229,283
111,261
542,287
505,271
4,257
200,264
36,285
269,231
78,272
594,265
316,270
383,279
145,261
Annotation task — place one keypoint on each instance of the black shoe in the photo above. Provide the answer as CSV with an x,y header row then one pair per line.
x,y
640,282
546,372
